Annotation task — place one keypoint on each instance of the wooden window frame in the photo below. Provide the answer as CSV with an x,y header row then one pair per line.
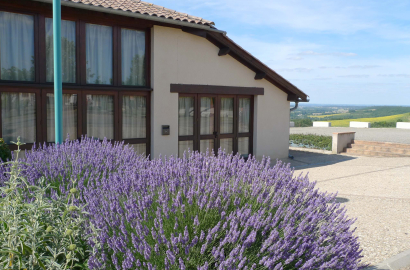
x,y
37,93
41,87
147,139
196,138
79,113
36,41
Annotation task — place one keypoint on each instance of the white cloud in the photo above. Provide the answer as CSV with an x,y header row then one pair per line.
x,y
351,67
295,69
395,75
306,53
295,58
355,76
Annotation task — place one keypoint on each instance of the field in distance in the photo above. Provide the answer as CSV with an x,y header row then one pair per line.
x,y
342,115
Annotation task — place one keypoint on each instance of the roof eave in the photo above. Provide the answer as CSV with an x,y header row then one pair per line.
x,y
136,15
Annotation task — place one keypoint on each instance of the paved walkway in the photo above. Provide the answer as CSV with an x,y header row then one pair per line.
x,y
378,194
365,134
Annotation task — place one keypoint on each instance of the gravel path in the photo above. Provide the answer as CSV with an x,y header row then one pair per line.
x,y
365,134
377,192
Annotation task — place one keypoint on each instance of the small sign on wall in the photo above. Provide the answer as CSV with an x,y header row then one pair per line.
x,y
165,130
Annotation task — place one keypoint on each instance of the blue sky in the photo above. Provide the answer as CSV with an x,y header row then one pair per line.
x,y
338,52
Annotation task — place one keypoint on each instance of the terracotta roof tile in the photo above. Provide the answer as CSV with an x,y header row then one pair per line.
x,y
138,6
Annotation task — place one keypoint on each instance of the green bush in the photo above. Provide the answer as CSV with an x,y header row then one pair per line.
x,y
306,122
5,153
384,124
37,232
312,141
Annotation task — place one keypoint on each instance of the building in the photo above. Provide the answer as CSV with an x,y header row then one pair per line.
x,y
158,79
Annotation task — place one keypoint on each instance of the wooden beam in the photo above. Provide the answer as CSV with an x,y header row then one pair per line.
x,y
224,51
194,31
293,97
260,75
215,89
254,64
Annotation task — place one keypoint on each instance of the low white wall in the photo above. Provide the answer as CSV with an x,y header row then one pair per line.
x,y
322,124
292,124
405,125
360,124
340,140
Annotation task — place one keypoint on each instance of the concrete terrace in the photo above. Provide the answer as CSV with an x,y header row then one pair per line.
x,y
365,134
377,192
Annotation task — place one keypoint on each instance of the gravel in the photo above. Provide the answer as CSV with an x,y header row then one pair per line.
x,y
377,192
365,134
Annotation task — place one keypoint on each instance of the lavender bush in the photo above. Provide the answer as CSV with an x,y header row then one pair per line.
x,y
198,212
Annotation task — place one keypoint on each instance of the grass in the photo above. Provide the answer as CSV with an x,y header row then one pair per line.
x,y
325,115
390,118
312,141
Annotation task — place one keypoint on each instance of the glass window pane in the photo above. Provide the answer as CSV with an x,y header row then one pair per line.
x,y
207,111
184,146
244,114
16,46
243,145
206,145
134,117
226,118
68,55
133,57
100,116
226,145
140,148
186,116
69,117
99,54
18,117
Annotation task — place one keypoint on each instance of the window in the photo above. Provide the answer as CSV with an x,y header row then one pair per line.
x,y
134,117
16,47
99,54
105,75
70,108
18,117
68,51
133,57
223,122
100,116
134,120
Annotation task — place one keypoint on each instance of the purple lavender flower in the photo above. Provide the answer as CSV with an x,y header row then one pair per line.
x,y
198,212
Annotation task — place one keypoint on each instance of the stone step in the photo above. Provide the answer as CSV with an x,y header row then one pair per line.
x,y
386,144
381,148
370,153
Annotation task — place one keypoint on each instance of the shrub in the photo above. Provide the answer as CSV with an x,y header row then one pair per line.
x,y
312,141
383,124
306,122
37,232
5,153
198,212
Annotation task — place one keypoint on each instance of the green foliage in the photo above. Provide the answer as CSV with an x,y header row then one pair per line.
x,y
312,141
5,153
303,122
384,124
369,112
37,232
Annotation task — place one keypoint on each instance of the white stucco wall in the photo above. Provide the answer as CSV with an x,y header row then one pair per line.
x,y
182,58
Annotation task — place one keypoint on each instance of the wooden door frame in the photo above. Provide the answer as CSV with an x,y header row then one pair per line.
x,y
196,137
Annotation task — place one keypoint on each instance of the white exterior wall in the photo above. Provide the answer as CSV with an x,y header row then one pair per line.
x,y
181,58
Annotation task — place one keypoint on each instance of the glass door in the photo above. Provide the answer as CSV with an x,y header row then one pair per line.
x,y
227,124
211,122
207,123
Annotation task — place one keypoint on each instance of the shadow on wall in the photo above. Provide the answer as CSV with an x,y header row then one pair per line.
x,y
304,159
